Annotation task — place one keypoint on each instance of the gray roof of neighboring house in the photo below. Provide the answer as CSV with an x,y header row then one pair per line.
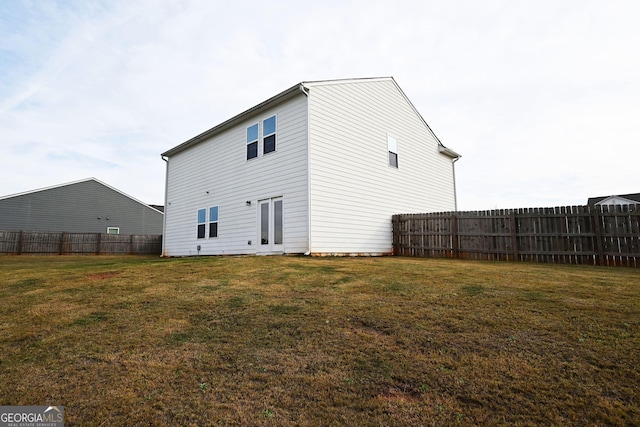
x,y
85,206
633,197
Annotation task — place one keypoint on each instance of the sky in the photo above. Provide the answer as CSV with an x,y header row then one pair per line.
x,y
541,98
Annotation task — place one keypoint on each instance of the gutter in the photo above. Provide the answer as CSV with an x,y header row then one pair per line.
x,y
454,158
166,203
305,91
282,96
448,152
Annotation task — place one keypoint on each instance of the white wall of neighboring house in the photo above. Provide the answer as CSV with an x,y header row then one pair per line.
x,y
616,200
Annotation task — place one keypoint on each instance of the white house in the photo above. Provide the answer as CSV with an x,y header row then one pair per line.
x,y
319,169
621,200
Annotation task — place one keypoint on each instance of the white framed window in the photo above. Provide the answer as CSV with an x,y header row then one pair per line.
x,y
269,135
261,137
113,230
202,222
392,148
252,141
213,221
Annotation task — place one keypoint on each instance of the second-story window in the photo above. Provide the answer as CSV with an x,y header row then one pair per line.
x,y
252,142
213,221
392,146
269,135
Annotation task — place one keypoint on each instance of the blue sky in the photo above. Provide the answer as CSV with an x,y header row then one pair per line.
x,y
541,98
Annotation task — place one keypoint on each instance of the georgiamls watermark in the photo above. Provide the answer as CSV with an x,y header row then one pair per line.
x,y
31,416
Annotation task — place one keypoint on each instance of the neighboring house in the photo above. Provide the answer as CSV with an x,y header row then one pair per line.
x,y
318,169
621,200
86,206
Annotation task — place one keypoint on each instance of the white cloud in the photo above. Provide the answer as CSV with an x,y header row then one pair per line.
x,y
540,98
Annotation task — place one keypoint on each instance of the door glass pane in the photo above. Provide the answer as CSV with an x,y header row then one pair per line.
x,y
264,223
277,222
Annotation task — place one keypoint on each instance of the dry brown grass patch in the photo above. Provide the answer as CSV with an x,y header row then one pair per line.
x,y
329,341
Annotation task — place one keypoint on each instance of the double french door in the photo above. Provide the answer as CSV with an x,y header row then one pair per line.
x,y
270,226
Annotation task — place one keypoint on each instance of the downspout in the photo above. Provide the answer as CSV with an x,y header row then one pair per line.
x,y
166,204
455,191
308,252
454,158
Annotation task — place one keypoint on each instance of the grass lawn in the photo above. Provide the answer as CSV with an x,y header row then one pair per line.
x,y
319,341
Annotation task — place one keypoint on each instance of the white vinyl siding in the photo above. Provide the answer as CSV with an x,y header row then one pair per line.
x,y
354,192
331,169
215,172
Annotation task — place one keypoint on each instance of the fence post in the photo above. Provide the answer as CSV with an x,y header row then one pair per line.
x,y
20,241
62,237
395,230
597,228
514,234
455,247
98,243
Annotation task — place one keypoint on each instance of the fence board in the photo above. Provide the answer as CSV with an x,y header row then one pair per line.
x,y
600,235
62,243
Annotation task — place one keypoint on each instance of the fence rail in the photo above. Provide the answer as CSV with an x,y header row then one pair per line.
x,y
598,235
61,243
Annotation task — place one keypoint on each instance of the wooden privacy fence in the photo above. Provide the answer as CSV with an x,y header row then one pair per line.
x,y
597,235
41,243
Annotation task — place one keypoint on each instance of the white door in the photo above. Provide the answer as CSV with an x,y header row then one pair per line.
x,y
271,226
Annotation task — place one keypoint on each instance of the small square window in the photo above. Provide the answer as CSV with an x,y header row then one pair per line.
x,y
113,230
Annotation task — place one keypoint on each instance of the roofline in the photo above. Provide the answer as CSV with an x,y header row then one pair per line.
x,y
37,190
441,147
448,152
634,198
343,81
293,90
282,96
24,193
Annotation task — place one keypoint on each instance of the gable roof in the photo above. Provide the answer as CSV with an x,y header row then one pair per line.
x,y
633,198
78,182
298,89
